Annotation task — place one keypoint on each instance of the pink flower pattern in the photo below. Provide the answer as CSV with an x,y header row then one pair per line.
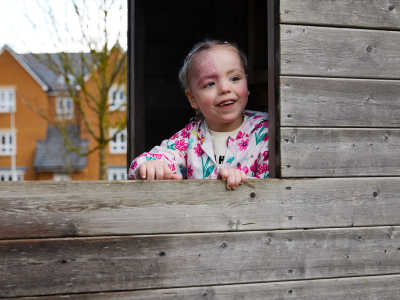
x,y
246,151
198,150
244,144
181,145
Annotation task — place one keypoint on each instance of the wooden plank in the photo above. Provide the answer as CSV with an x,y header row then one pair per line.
x,y
366,288
45,209
360,13
332,102
311,152
55,266
339,52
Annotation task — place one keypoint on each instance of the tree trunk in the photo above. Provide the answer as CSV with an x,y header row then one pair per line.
x,y
102,163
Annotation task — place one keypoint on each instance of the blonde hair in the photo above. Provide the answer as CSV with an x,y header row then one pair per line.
x,y
204,45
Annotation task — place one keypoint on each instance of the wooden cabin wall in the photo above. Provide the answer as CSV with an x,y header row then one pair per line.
x,y
304,239
340,88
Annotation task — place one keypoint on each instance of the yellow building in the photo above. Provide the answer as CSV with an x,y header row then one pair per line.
x,y
31,148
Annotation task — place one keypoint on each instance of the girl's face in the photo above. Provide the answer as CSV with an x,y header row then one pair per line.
x,y
218,87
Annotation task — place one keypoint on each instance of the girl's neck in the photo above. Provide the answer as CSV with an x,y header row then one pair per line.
x,y
228,127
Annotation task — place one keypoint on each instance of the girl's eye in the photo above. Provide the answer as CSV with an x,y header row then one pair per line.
x,y
236,78
209,84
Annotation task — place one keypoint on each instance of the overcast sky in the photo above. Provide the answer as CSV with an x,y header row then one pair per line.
x,y
26,27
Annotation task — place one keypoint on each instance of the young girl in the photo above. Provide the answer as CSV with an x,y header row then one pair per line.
x,y
227,141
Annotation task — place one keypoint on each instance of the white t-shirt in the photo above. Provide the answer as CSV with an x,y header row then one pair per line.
x,y
219,140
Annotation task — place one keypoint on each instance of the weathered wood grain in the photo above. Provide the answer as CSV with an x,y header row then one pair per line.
x,y
363,13
333,102
339,52
366,288
45,209
44,267
311,152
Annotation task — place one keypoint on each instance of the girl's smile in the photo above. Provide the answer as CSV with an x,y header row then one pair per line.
x,y
218,87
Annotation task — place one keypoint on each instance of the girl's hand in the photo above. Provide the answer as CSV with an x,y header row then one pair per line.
x,y
233,177
156,169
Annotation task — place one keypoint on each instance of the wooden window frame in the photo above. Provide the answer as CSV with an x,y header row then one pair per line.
x,y
136,126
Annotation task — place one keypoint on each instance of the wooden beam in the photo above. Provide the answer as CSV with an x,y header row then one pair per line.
x,y
371,287
273,71
59,266
335,102
74,209
325,152
339,52
366,13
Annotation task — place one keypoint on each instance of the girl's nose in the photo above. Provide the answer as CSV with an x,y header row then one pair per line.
x,y
224,86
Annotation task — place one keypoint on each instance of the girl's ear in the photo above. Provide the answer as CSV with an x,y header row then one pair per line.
x,y
191,99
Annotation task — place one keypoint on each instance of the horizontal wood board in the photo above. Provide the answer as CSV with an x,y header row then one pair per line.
x,y
366,288
339,52
335,102
46,209
360,13
326,152
59,266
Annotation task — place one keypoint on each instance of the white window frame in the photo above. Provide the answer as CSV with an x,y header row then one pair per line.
x,y
118,145
7,175
117,98
8,98
8,145
63,110
117,173
61,177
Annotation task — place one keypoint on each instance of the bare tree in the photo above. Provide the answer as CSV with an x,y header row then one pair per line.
x,y
88,77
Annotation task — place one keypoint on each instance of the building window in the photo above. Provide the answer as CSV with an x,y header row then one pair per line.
x,y
9,175
7,99
116,173
118,141
116,98
65,108
7,143
61,177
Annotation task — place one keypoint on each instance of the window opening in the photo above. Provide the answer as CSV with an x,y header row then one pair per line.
x,y
116,173
9,175
118,141
61,177
8,146
65,108
7,99
116,98
157,52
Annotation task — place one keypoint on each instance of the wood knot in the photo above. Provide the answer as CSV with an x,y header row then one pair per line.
x,y
253,195
224,245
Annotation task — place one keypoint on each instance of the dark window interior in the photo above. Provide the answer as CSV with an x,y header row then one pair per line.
x,y
166,31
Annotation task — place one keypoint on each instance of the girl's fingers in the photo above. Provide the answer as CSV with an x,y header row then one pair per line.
x,y
150,172
142,172
234,178
159,172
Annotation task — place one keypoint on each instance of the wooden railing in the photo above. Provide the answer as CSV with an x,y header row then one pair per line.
x,y
286,239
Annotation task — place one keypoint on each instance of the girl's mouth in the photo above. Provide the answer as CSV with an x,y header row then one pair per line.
x,y
226,103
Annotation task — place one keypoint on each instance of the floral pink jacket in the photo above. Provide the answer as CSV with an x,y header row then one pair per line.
x,y
190,153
